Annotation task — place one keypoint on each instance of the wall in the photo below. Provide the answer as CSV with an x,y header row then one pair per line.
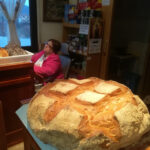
x,y
131,29
47,30
128,30
131,22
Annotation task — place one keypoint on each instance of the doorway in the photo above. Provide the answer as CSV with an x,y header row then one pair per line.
x,y
129,50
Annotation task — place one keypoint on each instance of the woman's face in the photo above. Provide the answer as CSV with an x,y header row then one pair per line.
x,y
48,48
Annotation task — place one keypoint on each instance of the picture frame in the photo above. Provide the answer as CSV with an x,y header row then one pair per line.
x,y
53,10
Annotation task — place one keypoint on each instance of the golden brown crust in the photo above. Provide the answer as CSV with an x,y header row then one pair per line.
x,y
3,52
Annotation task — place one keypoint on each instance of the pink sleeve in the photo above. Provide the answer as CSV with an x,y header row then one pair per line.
x,y
36,56
49,68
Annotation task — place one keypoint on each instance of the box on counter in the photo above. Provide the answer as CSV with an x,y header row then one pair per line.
x,y
16,59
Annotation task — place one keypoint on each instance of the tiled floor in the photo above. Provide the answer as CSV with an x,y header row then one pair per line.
x,y
19,146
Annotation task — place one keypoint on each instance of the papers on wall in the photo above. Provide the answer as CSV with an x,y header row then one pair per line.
x,y
84,29
105,2
95,46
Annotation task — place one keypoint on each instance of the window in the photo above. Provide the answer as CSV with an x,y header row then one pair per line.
x,y
3,31
25,26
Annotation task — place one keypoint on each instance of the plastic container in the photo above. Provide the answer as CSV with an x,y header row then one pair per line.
x,y
16,59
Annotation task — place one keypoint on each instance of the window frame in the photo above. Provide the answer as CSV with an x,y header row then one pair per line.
x,y
33,27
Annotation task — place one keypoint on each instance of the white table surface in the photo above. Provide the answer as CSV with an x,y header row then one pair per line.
x,y
21,113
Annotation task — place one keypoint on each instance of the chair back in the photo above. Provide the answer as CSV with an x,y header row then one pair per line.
x,y
3,144
64,49
65,63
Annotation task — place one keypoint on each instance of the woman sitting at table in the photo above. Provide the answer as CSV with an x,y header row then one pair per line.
x,y
47,63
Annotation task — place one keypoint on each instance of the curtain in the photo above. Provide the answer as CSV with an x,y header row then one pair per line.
x,y
11,10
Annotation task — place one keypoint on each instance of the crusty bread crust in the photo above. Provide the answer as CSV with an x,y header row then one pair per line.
x,y
70,119
3,52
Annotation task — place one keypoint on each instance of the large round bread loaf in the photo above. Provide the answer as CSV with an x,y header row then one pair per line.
x,y
89,114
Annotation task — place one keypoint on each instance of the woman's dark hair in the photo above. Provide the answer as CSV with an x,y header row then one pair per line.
x,y
56,45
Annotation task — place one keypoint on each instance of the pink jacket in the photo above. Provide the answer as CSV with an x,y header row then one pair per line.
x,y
51,66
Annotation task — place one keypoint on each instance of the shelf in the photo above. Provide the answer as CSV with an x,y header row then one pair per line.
x,y
78,52
92,61
68,25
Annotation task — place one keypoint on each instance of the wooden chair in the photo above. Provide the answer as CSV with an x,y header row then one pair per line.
x,y
38,82
38,78
3,144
